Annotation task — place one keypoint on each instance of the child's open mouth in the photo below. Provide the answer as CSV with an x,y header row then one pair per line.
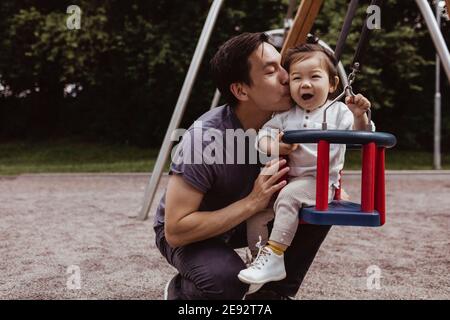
x,y
307,96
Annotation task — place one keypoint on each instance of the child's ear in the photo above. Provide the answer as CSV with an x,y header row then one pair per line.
x,y
336,84
239,91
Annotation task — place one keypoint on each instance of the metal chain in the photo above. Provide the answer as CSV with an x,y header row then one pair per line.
x,y
348,91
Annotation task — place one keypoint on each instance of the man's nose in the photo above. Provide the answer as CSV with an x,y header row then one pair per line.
x,y
284,76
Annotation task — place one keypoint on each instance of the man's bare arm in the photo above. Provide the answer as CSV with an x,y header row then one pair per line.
x,y
184,224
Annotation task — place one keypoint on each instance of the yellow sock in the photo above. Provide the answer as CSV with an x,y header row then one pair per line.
x,y
275,248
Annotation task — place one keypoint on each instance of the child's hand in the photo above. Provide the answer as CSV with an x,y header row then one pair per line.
x,y
358,104
285,148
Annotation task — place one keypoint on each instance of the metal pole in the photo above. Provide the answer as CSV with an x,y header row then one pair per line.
x,y
291,9
436,35
437,102
215,100
289,16
179,108
351,10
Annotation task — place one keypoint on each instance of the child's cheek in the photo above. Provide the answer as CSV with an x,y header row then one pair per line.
x,y
294,91
293,101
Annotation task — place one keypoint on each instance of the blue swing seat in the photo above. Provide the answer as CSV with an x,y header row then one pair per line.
x,y
344,213
339,212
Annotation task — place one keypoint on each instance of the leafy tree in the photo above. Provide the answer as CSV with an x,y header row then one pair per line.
x,y
128,61
398,68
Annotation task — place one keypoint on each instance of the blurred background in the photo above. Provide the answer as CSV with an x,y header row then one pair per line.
x,y
99,99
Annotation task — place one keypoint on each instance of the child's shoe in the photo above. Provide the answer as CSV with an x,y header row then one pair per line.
x,y
253,288
268,266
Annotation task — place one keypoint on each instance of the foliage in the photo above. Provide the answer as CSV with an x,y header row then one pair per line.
x,y
128,61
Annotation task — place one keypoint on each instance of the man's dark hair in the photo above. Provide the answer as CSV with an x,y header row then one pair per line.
x,y
299,52
231,63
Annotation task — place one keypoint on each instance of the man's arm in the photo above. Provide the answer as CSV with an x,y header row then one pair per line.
x,y
184,224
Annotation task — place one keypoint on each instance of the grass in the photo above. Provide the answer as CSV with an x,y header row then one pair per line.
x,y
399,160
70,157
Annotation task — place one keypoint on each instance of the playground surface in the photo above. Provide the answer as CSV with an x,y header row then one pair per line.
x,y
51,222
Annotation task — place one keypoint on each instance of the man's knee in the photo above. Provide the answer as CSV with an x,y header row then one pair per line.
x,y
215,277
224,284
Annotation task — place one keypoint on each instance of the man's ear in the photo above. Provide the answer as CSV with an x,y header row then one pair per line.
x,y
239,90
336,84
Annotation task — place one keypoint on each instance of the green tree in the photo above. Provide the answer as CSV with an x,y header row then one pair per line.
x,y
129,59
398,68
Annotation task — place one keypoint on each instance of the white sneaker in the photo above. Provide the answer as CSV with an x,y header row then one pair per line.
x,y
254,287
268,266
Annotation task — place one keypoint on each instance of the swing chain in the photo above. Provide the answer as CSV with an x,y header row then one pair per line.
x,y
348,91
351,78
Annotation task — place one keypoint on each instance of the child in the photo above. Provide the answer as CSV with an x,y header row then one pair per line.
x,y
312,79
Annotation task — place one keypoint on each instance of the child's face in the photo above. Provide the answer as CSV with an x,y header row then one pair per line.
x,y
309,81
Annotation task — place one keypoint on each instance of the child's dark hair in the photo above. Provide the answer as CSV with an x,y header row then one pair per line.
x,y
298,53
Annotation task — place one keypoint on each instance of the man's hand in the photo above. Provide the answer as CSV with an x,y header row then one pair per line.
x,y
358,105
185,223
267,184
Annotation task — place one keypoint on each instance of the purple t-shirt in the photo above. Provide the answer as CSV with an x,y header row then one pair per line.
x,y
222,179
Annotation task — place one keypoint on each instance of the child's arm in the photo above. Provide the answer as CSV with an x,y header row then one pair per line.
x,y
265,144
358,105
269,145
269,137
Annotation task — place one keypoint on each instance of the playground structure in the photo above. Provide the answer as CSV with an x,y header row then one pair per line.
x,y
56,224
298,31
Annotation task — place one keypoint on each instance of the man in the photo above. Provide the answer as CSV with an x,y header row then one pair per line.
x,y
201,218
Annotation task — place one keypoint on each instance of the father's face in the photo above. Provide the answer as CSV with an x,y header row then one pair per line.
x,y
270,88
